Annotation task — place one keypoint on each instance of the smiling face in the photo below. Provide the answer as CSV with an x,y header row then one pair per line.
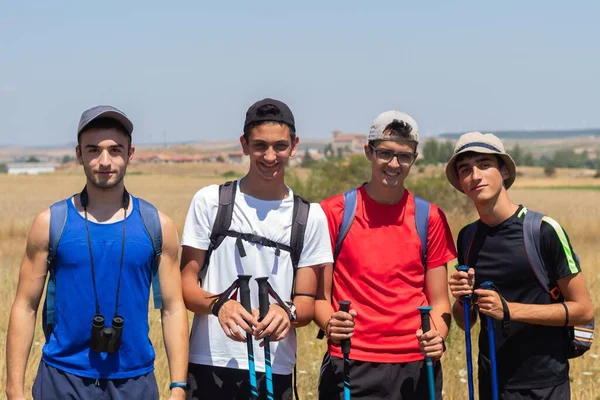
x,y
104,154
481,176
386,170
269,146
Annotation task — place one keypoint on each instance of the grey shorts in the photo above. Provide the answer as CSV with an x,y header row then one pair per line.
x,y
51,383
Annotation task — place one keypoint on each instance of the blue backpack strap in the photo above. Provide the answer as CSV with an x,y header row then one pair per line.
x,y
422,222
58,220
151,221
350,200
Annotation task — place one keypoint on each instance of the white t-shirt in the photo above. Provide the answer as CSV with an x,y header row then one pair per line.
x,y
270,219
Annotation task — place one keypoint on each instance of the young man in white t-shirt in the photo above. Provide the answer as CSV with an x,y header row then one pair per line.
x,y
263,207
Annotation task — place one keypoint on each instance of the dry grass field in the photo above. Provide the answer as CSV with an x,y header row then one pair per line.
x,y
171,188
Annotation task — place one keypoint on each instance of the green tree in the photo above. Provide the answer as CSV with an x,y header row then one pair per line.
x,y
32,159
307,160
431,150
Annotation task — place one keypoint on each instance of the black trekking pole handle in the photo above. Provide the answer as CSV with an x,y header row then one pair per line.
x,y
246,303
345,307
263,297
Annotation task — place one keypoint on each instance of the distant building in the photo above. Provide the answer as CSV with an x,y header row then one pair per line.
x,y
348,142
30,168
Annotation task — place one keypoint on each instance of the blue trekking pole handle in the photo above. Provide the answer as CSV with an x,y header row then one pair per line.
x,y
426,327
492,344
466,300
345,307
245,300
263,307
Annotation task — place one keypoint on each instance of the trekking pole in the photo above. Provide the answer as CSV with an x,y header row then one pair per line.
x,y
345,307
425,325
245,300
492,343
466,300
263,306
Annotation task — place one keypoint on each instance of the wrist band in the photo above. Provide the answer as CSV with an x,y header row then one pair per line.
x,y
182,385
566,313
217,306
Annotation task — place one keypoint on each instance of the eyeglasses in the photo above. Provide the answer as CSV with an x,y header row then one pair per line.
x,y
386,156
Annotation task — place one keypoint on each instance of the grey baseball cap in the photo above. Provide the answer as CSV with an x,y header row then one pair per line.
x,y
104,112
385,119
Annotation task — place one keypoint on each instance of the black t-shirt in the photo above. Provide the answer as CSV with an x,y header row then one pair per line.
x,y
531,356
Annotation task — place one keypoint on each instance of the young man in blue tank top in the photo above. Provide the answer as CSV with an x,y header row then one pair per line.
x,y
98,345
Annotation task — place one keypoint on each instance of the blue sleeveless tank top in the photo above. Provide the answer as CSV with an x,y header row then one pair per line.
x,y
68,347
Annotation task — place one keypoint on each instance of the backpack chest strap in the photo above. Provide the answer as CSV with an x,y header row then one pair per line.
x,y
256,239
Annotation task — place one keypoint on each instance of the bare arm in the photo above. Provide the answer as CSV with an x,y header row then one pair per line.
x,y
577,300
436,291
306,284
173,313
21,326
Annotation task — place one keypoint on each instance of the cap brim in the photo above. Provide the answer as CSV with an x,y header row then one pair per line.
x,y
117,116
452,175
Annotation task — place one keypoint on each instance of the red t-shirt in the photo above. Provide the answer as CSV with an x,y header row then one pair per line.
x,y
379,269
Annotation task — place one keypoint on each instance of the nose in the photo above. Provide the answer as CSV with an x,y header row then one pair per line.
x,y
394,162
476,173
270,155
104,158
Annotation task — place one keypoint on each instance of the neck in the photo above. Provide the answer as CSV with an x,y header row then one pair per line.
x,y
262,189
385,195
110,198
496,210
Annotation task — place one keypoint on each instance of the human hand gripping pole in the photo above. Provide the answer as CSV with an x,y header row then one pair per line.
x,y
488,285
345,344
466,302
244,282
426,326
263,306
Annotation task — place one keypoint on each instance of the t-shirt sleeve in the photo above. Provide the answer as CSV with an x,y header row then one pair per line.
x,y
200,218
440,244
558,254
317,244
331,211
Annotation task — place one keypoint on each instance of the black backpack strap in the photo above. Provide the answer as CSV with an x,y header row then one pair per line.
x,y
467,242
422,222
532,233
300,217
223,219
151,221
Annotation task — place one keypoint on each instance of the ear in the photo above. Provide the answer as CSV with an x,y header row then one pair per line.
x,y
130,155
504,173
368,152
78,154
295,146
244,144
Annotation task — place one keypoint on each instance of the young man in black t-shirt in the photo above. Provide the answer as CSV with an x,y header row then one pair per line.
x,y
532,354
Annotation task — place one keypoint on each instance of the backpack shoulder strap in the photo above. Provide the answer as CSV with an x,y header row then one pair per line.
x,y
467,241
422,221
151,221
299,219
222,222
350,201
532,233
58,220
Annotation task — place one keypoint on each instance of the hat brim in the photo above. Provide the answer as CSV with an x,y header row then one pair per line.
x,y
452,174
122,119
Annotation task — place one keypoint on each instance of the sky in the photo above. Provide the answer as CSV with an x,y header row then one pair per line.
x,y
188,70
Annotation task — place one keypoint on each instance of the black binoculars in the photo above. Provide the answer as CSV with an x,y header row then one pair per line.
x,y
106,339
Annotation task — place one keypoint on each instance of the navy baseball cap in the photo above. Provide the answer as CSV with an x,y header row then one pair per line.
x,y
105,112
281,113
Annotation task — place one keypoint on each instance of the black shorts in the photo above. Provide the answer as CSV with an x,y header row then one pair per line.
x,y
559,392
51,384
208,382
394,381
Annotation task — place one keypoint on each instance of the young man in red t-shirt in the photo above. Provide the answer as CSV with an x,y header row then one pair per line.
x,y
379,269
